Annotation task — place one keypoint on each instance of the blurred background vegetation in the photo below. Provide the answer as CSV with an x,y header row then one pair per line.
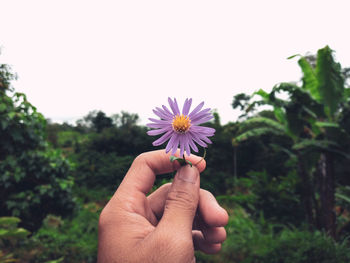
x,y
281,171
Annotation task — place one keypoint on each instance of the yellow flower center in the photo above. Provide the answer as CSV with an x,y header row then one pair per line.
x,y
181,123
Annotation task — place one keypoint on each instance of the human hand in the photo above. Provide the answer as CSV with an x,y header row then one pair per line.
x,y
166,226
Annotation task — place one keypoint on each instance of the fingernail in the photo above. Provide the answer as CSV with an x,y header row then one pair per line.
x,y
188,174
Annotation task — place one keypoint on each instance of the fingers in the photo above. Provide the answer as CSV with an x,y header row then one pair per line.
x,y
141,175
211,214
209,221
157,199
200,243
214,234
208,238
181,201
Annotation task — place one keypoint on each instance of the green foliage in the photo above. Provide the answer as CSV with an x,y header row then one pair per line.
x,y
35,184
259,241
219,158
310,81
311,118
101,121
34,180
277,197
306,247
72,240
252,166
104,158
330,81
96,169
9,230
258,126
21,126
10,236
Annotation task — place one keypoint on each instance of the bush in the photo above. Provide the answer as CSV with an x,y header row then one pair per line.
x,y
96,169
10,237
72,240
263,242
34,180
35,184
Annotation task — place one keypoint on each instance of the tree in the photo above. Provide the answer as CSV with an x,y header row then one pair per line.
x,y
125,119
312,118
34,180
96,121
101,121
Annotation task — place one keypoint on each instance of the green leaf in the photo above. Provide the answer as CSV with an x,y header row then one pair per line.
x,y
307,144
253,133
326,124
347,93
182,161
280,115
13,221
56,260
11,115
310,112
2,107
262,93
4,124
293,56
310,82
330,81
261,122
18,233
3,232
344,197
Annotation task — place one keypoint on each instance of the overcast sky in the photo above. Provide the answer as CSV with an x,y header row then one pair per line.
x,y
76,56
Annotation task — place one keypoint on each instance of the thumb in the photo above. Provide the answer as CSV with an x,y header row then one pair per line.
x,y
182,200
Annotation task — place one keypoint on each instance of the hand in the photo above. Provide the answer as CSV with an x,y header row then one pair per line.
x,y
166,226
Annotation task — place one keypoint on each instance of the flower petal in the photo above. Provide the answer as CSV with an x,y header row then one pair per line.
x,y
208,131
163,139
160,121
157,132
171,143
187,146
198,108
186,107
157,125
198,140
203,120
162,114
207,140
192,144
182,144
176,143
167,110
174,107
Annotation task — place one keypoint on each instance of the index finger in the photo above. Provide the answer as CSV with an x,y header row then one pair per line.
x,y
142,173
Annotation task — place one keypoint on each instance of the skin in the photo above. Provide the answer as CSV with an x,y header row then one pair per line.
x,y
165,226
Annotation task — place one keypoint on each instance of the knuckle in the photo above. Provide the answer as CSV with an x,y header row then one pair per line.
x,y
181,199
140,159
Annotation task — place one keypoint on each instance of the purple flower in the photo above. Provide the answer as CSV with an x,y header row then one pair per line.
x,y
181,129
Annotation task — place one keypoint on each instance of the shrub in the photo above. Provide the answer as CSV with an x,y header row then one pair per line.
x,y
72,240
34,180
35,184
263,242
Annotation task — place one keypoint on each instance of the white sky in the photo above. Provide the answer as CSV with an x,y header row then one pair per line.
x,y
76,56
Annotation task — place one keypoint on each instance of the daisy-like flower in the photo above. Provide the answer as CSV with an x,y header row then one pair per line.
x,y
181,129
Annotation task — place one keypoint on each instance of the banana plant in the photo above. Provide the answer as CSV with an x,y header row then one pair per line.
x,y
312,117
